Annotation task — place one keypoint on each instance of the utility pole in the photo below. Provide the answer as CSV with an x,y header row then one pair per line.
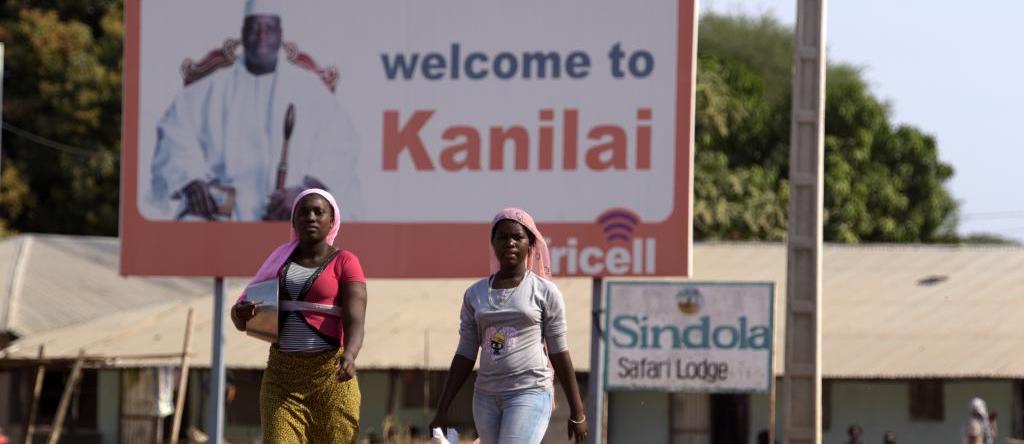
x,y
802,382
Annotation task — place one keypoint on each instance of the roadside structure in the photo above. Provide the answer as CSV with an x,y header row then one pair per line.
x,y
911,333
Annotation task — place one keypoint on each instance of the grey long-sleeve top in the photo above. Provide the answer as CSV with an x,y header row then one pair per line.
x,y
511,329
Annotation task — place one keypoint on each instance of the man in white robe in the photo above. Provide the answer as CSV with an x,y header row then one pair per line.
x,y
223,134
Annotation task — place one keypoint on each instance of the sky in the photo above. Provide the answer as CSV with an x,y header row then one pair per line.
x,y
950,68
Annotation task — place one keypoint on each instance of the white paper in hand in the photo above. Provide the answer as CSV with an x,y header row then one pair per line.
x,y
438,437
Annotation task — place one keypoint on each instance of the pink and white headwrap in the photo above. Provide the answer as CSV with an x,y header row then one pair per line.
x,y
277,258
539,261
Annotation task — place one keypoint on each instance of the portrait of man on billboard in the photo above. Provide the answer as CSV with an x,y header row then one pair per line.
x,y
250,131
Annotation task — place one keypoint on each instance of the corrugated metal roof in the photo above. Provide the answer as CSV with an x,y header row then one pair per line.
x,y
52,281
892,311
9,249
889,311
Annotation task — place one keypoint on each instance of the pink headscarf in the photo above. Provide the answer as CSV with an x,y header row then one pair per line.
x,y
539,261
272,264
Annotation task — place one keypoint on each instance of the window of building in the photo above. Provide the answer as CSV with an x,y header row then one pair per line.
x,y
242,396
927,400
81,411
421,390
826,405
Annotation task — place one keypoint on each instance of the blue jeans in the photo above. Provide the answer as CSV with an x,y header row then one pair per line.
x,y
512,418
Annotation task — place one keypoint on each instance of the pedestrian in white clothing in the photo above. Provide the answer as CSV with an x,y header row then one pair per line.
x,y
977,429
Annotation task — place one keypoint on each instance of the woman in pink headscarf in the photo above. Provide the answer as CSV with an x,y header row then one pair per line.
x,y
309,392
508,318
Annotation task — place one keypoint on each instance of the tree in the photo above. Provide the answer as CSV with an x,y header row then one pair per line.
x,y
883,182
62,83
739,193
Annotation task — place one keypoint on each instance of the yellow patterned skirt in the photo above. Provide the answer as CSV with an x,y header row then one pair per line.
x,y
302,402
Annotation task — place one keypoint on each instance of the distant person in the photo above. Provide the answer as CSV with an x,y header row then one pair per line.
x,y
855,433
221,143
993,424
977,429
507,318
762,437
309,392
889,438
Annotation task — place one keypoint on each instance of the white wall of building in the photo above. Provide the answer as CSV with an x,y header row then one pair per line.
x,y
108,404
638,417
877,406
880,406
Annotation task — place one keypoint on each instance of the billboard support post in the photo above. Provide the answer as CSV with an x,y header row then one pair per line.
x,y
215,402
595,382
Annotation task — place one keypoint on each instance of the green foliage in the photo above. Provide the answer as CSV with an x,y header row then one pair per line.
x,y
62,82
761,44
988,239
737,187
883,182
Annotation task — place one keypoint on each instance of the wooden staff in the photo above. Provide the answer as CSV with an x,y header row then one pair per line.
x,y
65,398
289,125
179,405
33,409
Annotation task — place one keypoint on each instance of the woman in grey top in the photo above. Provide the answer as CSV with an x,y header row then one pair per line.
x,y
515,319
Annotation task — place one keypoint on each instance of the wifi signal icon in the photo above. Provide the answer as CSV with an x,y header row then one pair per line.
x,y
618,224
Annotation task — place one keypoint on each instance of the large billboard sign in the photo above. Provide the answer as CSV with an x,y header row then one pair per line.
x,y
689,336
422,118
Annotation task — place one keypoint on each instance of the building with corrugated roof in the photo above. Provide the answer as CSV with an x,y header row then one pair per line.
x,y
909,334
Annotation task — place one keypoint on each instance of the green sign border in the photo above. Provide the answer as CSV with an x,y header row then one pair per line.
x,y
607,294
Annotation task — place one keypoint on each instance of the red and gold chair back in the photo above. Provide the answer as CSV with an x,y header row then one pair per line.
x,y
227,54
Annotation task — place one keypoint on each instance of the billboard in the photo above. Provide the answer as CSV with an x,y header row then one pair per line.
x,y
422,118
689,336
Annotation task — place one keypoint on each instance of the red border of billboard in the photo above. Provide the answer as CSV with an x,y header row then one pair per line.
x,y
406,250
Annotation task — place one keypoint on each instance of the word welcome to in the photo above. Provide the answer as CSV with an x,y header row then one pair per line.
x,y
506,65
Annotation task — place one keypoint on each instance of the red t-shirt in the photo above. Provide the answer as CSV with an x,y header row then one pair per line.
x,y
326,289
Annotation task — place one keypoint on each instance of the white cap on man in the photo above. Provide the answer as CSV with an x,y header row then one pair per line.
x,y
978,407
263,7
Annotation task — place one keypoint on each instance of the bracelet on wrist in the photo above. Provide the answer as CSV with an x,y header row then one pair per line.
x,y
583,419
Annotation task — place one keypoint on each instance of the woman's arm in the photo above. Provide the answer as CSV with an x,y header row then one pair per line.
x,y
555,331
462,362
562,363
457,374
354,306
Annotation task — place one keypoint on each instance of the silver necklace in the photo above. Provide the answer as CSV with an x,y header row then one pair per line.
x,y
500,296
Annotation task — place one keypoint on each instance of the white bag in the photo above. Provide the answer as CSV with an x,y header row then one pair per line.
x,y
438,437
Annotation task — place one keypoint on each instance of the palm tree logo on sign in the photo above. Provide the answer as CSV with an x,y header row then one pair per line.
x,y
689,301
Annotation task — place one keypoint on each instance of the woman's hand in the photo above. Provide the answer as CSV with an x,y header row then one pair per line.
x,y
562,363
241,313
577,430
346,368
457,373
